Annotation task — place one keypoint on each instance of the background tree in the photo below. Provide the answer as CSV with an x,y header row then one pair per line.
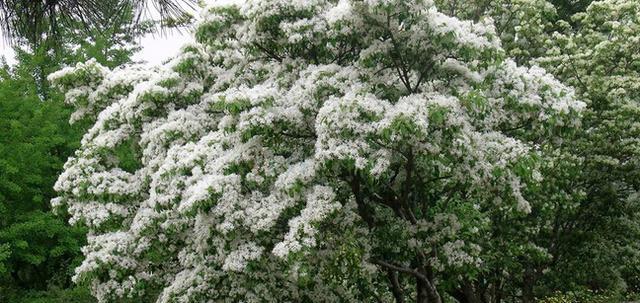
x,y
600,59
594,219
39,248
524,26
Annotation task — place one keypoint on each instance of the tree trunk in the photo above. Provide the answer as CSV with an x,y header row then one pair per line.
x,y
421,292
434,297
426,293
395,287
528,281
470,292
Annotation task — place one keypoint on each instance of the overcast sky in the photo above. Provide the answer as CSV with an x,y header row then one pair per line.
x,y
157,48
6,51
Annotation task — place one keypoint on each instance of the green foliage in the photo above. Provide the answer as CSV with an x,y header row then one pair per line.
x,y
600,224
583,296
37,247
41,246
78,294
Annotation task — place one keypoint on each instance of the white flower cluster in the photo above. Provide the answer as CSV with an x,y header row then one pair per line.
x,y
202,177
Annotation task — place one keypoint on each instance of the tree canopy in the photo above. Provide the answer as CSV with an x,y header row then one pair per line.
x,y
318,151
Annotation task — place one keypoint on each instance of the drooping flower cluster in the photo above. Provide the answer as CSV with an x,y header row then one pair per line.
x,y
301,149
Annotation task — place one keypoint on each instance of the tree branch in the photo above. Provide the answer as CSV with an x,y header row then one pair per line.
x,y
396,289
410,271
270,53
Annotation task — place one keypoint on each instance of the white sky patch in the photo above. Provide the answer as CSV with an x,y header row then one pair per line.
x,y
6,50
157,47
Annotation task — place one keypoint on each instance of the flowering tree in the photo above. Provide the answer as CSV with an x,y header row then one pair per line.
x,y
600,59
524,26
315,151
